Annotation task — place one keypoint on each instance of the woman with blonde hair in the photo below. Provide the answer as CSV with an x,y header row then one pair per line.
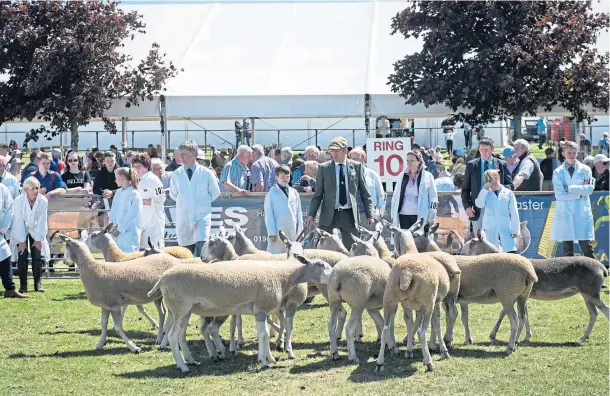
x,y
459,168
29,232
126,211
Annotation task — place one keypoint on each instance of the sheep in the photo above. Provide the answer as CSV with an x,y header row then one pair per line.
x,y
421,283
242,244
375,238
111,286
328,241
360,282
254,287
558,278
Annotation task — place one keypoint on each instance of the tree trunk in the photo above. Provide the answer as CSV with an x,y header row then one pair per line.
x,y
517,120
74,135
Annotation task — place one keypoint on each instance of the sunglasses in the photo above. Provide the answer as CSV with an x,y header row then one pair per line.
x,y
72,160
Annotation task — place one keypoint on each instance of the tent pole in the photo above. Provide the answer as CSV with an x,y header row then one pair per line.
x,y
123,133
253,129
367,114
163,120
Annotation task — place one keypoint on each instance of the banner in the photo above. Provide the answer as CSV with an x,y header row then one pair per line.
x,y
387,156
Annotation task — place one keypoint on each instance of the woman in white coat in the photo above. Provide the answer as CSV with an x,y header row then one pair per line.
x,y
153,201
194,188
500,218
417,197
573,219
282,211
6,267
29,232
126,211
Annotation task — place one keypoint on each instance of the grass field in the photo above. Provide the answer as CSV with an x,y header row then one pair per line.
x,y
47,348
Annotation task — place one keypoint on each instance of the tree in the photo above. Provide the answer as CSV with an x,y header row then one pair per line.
x,y
62,63
500,59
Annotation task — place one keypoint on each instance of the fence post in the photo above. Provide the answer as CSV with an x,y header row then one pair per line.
x,y
278,139
205,141
97,139
316,137
132,139
353,138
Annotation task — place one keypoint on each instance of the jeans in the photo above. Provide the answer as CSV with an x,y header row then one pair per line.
x,y
6,273
450,147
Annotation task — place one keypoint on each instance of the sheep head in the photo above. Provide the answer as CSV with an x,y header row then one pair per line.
x,y
403,239
329,241
241,243
214,249
98,240
314,270
294,247
479,245
152,249
361,247
424,238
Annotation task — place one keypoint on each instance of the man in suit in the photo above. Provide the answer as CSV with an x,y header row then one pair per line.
x,y
473,180
338,183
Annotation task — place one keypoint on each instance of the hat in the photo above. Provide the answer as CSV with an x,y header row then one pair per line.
x,y
458,152
600,158
338,143
508,152
200,154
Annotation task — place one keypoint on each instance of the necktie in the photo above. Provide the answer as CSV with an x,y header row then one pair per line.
x,y
285,190
486,166
189,173
571,171
342,192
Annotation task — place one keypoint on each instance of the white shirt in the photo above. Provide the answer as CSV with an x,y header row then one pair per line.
x,y
409,204
11,183
348,205
151,188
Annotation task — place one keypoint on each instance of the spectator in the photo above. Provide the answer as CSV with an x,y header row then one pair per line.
x,y
126,211
467,135
541,127
601,167
175,163
474,153
442,170
77,180
129,156
560,156
588,160
157,169
238,132
201,160
235,175
97,161
383,127
194,188
263,170
153,201
57,164
547,167
510,156
86,159
118,155
4,150
13,145
282,211
307,182
247,134
604,145
448,135
31,167
8,180
50,181
6,268
16,165
29,231
373,186
105,181
418,198
585,144
287,156
277,155
527,176
473,180
312,153
500,217
459,168
573,219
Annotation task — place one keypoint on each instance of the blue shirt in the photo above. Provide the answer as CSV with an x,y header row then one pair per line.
x,y
345,170
236,173
51,181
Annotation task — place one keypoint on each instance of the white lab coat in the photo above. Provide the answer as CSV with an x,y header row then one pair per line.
x,y
12,184
427,199
32,221
6,216
126,213
500,217
282,213
193,203
375,188
573,219
153,215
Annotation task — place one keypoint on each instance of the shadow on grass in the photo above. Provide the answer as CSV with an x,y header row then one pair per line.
x,y
306,307
72,354
534,344
206,367
141,336
72,297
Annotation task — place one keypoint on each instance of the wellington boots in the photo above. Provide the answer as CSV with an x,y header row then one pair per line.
x,y
37,270
22,268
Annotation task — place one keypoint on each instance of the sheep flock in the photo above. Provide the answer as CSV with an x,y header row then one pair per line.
x,y
232,278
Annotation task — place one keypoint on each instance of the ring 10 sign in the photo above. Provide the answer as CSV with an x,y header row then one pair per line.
x,y
387,157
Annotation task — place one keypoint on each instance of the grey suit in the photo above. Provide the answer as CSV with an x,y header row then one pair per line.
x,y
325,195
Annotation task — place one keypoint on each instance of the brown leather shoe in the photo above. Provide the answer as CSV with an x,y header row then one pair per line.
x,y
14,294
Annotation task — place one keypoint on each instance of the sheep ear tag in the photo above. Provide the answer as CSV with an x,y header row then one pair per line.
x,y
284,238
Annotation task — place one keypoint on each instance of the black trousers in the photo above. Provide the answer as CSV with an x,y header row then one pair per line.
x,y
585,246
35,253
6,273
344,221
195,248
449,147
406,221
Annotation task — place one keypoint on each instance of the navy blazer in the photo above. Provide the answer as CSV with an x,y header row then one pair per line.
x,y
472,182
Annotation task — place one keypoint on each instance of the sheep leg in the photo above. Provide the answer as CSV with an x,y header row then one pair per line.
x,y
592,319
352,326
512,316
146,315
494,331
166,328
204,329
175,333
117,318
408,316
263,338
335,308
240,336
523,319
436,325
291,310
342,316
161,312
272,327
451,317
233,346
467,336
426,314
359,333
279,343
432,339
220,348
389,312
599,303
188,356
378,320
105,315
528,332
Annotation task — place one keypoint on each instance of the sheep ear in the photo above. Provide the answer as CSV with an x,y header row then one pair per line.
x,y
230,237
388,225
301,236
284,238
301,259
84,234
417,225
221,231
308,238
432,228
53,235
107,228
150,244
482,236
379,227
63,237
523,223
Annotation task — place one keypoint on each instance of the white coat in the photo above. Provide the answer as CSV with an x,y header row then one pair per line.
x,y
573,219
153,215
500,217
282,213
32,221
427,199
126,213
6,216
193,203
375,188
12,184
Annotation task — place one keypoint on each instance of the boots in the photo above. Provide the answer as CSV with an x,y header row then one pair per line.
x,y
14,294
37,270
23,276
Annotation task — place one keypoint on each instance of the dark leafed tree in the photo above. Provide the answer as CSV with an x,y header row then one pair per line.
x,y
503,59
62,62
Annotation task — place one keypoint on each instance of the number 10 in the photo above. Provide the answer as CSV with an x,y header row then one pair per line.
x,y
388,164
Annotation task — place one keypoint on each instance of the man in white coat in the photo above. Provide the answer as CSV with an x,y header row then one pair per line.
x,y
194,188
573,220
6,268
153,200
282,211
7,179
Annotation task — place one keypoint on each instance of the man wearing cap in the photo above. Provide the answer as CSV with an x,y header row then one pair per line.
x,y
511,159
338,183
601,167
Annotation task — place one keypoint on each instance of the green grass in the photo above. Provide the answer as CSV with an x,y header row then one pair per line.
x,y
47,348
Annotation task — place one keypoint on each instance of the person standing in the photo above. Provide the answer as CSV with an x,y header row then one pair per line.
x,y
175,163
417,197
6,267
126,211
527,176
547,167
8,180
153,201
473,180
51,182
601,168
235,176
338,184
467,135
312,153
263,170
156,166
29,232
194,188
31,167
282,211
238,134
573,219
247,134
373,185
604,145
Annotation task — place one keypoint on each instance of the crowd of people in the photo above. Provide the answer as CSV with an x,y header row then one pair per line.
x,y
345,192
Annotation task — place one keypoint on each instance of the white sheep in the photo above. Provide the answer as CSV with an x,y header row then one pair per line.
x,y
246,287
